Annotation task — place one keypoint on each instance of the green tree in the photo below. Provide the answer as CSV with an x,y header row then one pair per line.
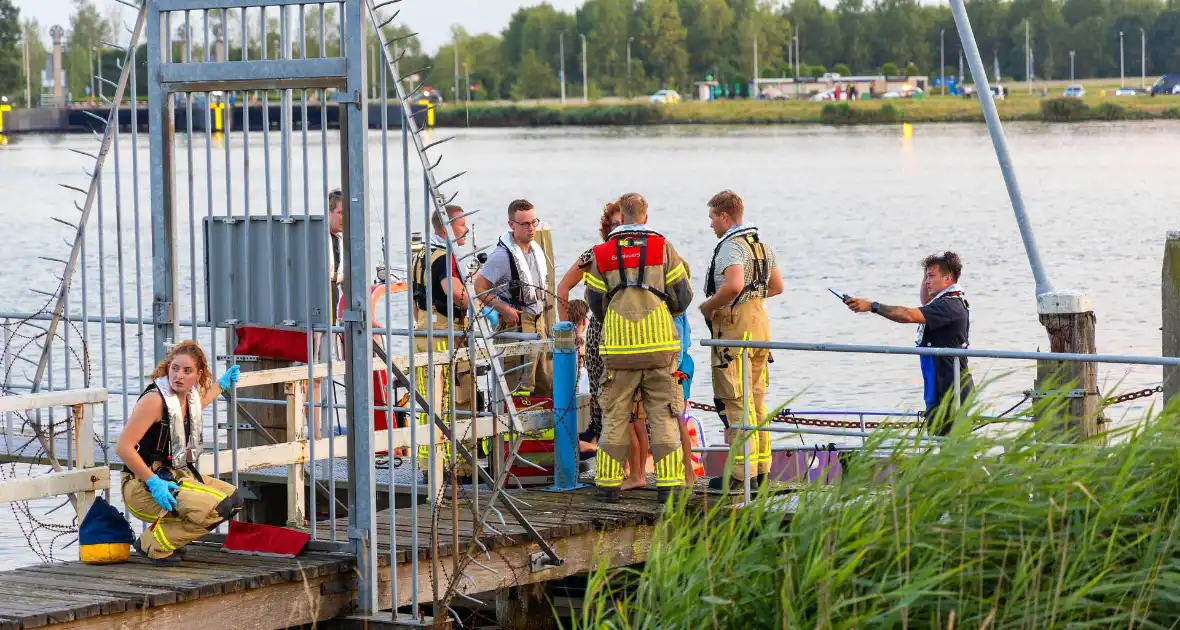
x,y
11,72
662,37
606,26
83,42
842,70
911,69
708,25
536,79
889,69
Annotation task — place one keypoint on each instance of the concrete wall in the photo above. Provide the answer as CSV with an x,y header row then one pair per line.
x,y
40,119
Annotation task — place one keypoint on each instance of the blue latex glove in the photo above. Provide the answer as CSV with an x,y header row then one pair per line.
x,y
491,315
231,376
162,492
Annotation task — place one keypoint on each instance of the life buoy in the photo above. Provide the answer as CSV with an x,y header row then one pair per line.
x,y
378,296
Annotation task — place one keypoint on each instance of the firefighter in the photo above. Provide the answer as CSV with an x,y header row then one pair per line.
x,y
159,447
636,284
445,280
742,274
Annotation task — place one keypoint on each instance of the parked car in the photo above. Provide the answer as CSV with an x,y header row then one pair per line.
x,y
1169,84
1075,91
665,96
905,92
1126,91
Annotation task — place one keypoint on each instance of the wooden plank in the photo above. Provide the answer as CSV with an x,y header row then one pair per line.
x,y
76,595
141,596
280,606
510,566
185,589
53,484
42,400
296,472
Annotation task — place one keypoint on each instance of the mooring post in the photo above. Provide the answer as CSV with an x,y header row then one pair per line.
x,y
1069,319
524,608
565,418
1170,302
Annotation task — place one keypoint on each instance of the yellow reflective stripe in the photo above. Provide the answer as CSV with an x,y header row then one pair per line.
x,y
196,487
143,516
609,472
593,282
644,349
670,470
158,534
677,273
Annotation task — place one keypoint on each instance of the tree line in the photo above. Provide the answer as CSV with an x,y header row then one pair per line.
x,y
673,43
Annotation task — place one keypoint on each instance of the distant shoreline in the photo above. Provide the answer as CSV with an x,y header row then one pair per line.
x,y
743,112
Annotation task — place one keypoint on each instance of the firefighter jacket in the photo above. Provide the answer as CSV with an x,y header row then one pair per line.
x,y
635,286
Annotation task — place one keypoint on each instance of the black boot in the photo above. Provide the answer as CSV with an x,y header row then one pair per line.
x,y
718,483
167,561
663,494
607,495
763,479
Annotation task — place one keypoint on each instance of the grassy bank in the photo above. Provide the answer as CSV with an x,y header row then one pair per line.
x,y
930,109
996,533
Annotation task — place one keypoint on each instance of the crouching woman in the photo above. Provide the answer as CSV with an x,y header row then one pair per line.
x,y
160,445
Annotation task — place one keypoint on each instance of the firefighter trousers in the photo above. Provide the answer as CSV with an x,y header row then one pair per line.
x,y
464,399
746,322
200,506
663,400
537,379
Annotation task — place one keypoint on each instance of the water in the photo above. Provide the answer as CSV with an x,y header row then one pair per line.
x,y
854,209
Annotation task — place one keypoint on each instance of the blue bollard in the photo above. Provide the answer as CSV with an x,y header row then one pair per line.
x,y
565,407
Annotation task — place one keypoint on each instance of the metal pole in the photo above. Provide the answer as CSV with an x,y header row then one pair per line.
x,y
362,497
585,76
1071,53
745,432
565,408
755,94
1027,58
942,59
28,79
1122,73
161,121
629,40
1000,143
456,67
958,386
1142,58
90,61
561,60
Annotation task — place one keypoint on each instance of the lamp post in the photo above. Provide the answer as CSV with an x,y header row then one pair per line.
x,y
629,40
1122,75
467,72
1071,53
585,78
561,44
1142,58
942,59
456,67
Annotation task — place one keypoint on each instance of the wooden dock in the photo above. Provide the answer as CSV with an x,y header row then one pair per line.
x,y
213,589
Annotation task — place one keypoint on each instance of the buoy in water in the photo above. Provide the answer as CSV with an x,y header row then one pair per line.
x,y
907,130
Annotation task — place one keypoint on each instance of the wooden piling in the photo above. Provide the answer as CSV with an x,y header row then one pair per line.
x,y
1069,320
524,608
1170,303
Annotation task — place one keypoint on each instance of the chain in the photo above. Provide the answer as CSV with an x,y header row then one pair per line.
x,y
1129,396
786,416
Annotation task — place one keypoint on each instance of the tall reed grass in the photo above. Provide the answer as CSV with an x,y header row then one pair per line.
x,y
1013,532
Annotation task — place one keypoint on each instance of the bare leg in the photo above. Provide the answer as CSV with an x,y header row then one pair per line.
x,y
637,462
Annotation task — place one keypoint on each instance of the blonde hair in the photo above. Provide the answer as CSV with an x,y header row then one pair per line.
x,y
633,207
192,349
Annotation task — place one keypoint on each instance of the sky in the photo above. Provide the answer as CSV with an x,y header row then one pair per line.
x,y
431,18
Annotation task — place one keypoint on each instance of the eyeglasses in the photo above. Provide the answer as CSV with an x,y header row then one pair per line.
x,y
535,223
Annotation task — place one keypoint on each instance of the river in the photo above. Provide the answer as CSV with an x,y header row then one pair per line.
x,y
854,209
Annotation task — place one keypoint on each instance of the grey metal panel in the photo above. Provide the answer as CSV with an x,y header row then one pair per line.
x,y
198,5
228,256
239,75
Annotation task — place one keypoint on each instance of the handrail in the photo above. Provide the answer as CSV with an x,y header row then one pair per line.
x,y
41,400
1125,359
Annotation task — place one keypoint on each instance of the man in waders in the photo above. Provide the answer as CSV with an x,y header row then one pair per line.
x,y
636,284
945,322
445,281
742,274
518,270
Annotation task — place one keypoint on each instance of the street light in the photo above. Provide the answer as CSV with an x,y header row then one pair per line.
x,y
629,40
1071,53
561,44
1142,58
467,71
942,59
1122,75
585,79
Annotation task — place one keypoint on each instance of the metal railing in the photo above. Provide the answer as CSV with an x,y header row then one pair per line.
x,y
79,478
956,395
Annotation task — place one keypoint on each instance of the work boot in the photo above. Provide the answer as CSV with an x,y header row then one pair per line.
x,y
167,561
669,492
607,495
763,479
717,483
